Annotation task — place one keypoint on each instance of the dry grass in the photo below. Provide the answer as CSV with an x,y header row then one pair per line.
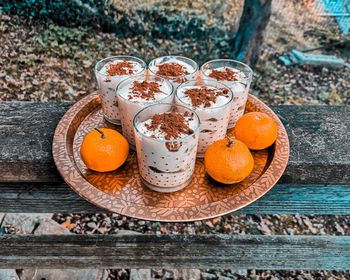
x,y
289,21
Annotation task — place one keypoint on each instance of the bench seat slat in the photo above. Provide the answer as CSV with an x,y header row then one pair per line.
x,y
319,138
282,199
200,251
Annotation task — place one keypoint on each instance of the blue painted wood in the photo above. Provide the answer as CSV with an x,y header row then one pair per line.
x,y
281,199
341,10
303,199
298,57
317,59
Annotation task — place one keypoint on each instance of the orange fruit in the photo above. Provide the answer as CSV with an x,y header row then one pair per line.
x,y
228,161
257,130
104,149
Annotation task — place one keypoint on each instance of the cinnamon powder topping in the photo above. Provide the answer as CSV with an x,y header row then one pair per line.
x,y
226,74
145,90
204,95
121,68
172,124
171,69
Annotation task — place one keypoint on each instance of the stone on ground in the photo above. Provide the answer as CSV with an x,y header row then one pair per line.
x,y
128,232
63,274
190,274
24,223
140,274
50,227
175,274
8,274
240,272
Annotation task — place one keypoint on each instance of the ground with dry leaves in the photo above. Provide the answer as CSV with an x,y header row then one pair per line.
x,y
55,63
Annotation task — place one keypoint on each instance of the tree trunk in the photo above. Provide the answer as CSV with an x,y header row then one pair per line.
x,y
249,37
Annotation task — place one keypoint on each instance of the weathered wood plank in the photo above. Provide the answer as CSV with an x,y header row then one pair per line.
x,y
303,199
26,132
319,141
282,199
206,251
319,137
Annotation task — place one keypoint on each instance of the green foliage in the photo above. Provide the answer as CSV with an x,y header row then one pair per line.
x,y
152,21
64,12
60,41
56,35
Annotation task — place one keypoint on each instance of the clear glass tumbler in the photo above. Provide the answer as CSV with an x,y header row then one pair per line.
x,y
109,80
132,102
166,164
214,117
177,69
238,77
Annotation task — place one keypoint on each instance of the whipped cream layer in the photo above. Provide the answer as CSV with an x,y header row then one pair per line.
x,y
173,67
203,96
107,83
145,91
175,126
137,94
237,81
213,106
226,73
121,67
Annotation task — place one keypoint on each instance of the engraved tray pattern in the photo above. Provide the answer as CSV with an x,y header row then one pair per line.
x,y
122,191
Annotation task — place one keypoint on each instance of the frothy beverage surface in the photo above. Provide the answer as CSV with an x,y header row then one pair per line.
x,y
174,68
203,96
145,91
168,126
121,67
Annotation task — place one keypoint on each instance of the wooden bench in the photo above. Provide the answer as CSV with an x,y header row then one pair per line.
x,y
316,181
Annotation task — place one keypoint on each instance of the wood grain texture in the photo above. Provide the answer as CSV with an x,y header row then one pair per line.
x,y
319,137
201,251
26,132
282,199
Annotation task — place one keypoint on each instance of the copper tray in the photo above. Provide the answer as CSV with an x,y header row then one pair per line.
x,y
122,192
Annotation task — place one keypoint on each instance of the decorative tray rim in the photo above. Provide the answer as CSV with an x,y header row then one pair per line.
x,y
267,180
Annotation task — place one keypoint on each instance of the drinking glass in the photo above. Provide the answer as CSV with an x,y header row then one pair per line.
x,y
240,86
107,84
166,165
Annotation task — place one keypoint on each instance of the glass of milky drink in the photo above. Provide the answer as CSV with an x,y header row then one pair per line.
x,y
109,73
177,69
212,101
234,74
138,92
166,143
